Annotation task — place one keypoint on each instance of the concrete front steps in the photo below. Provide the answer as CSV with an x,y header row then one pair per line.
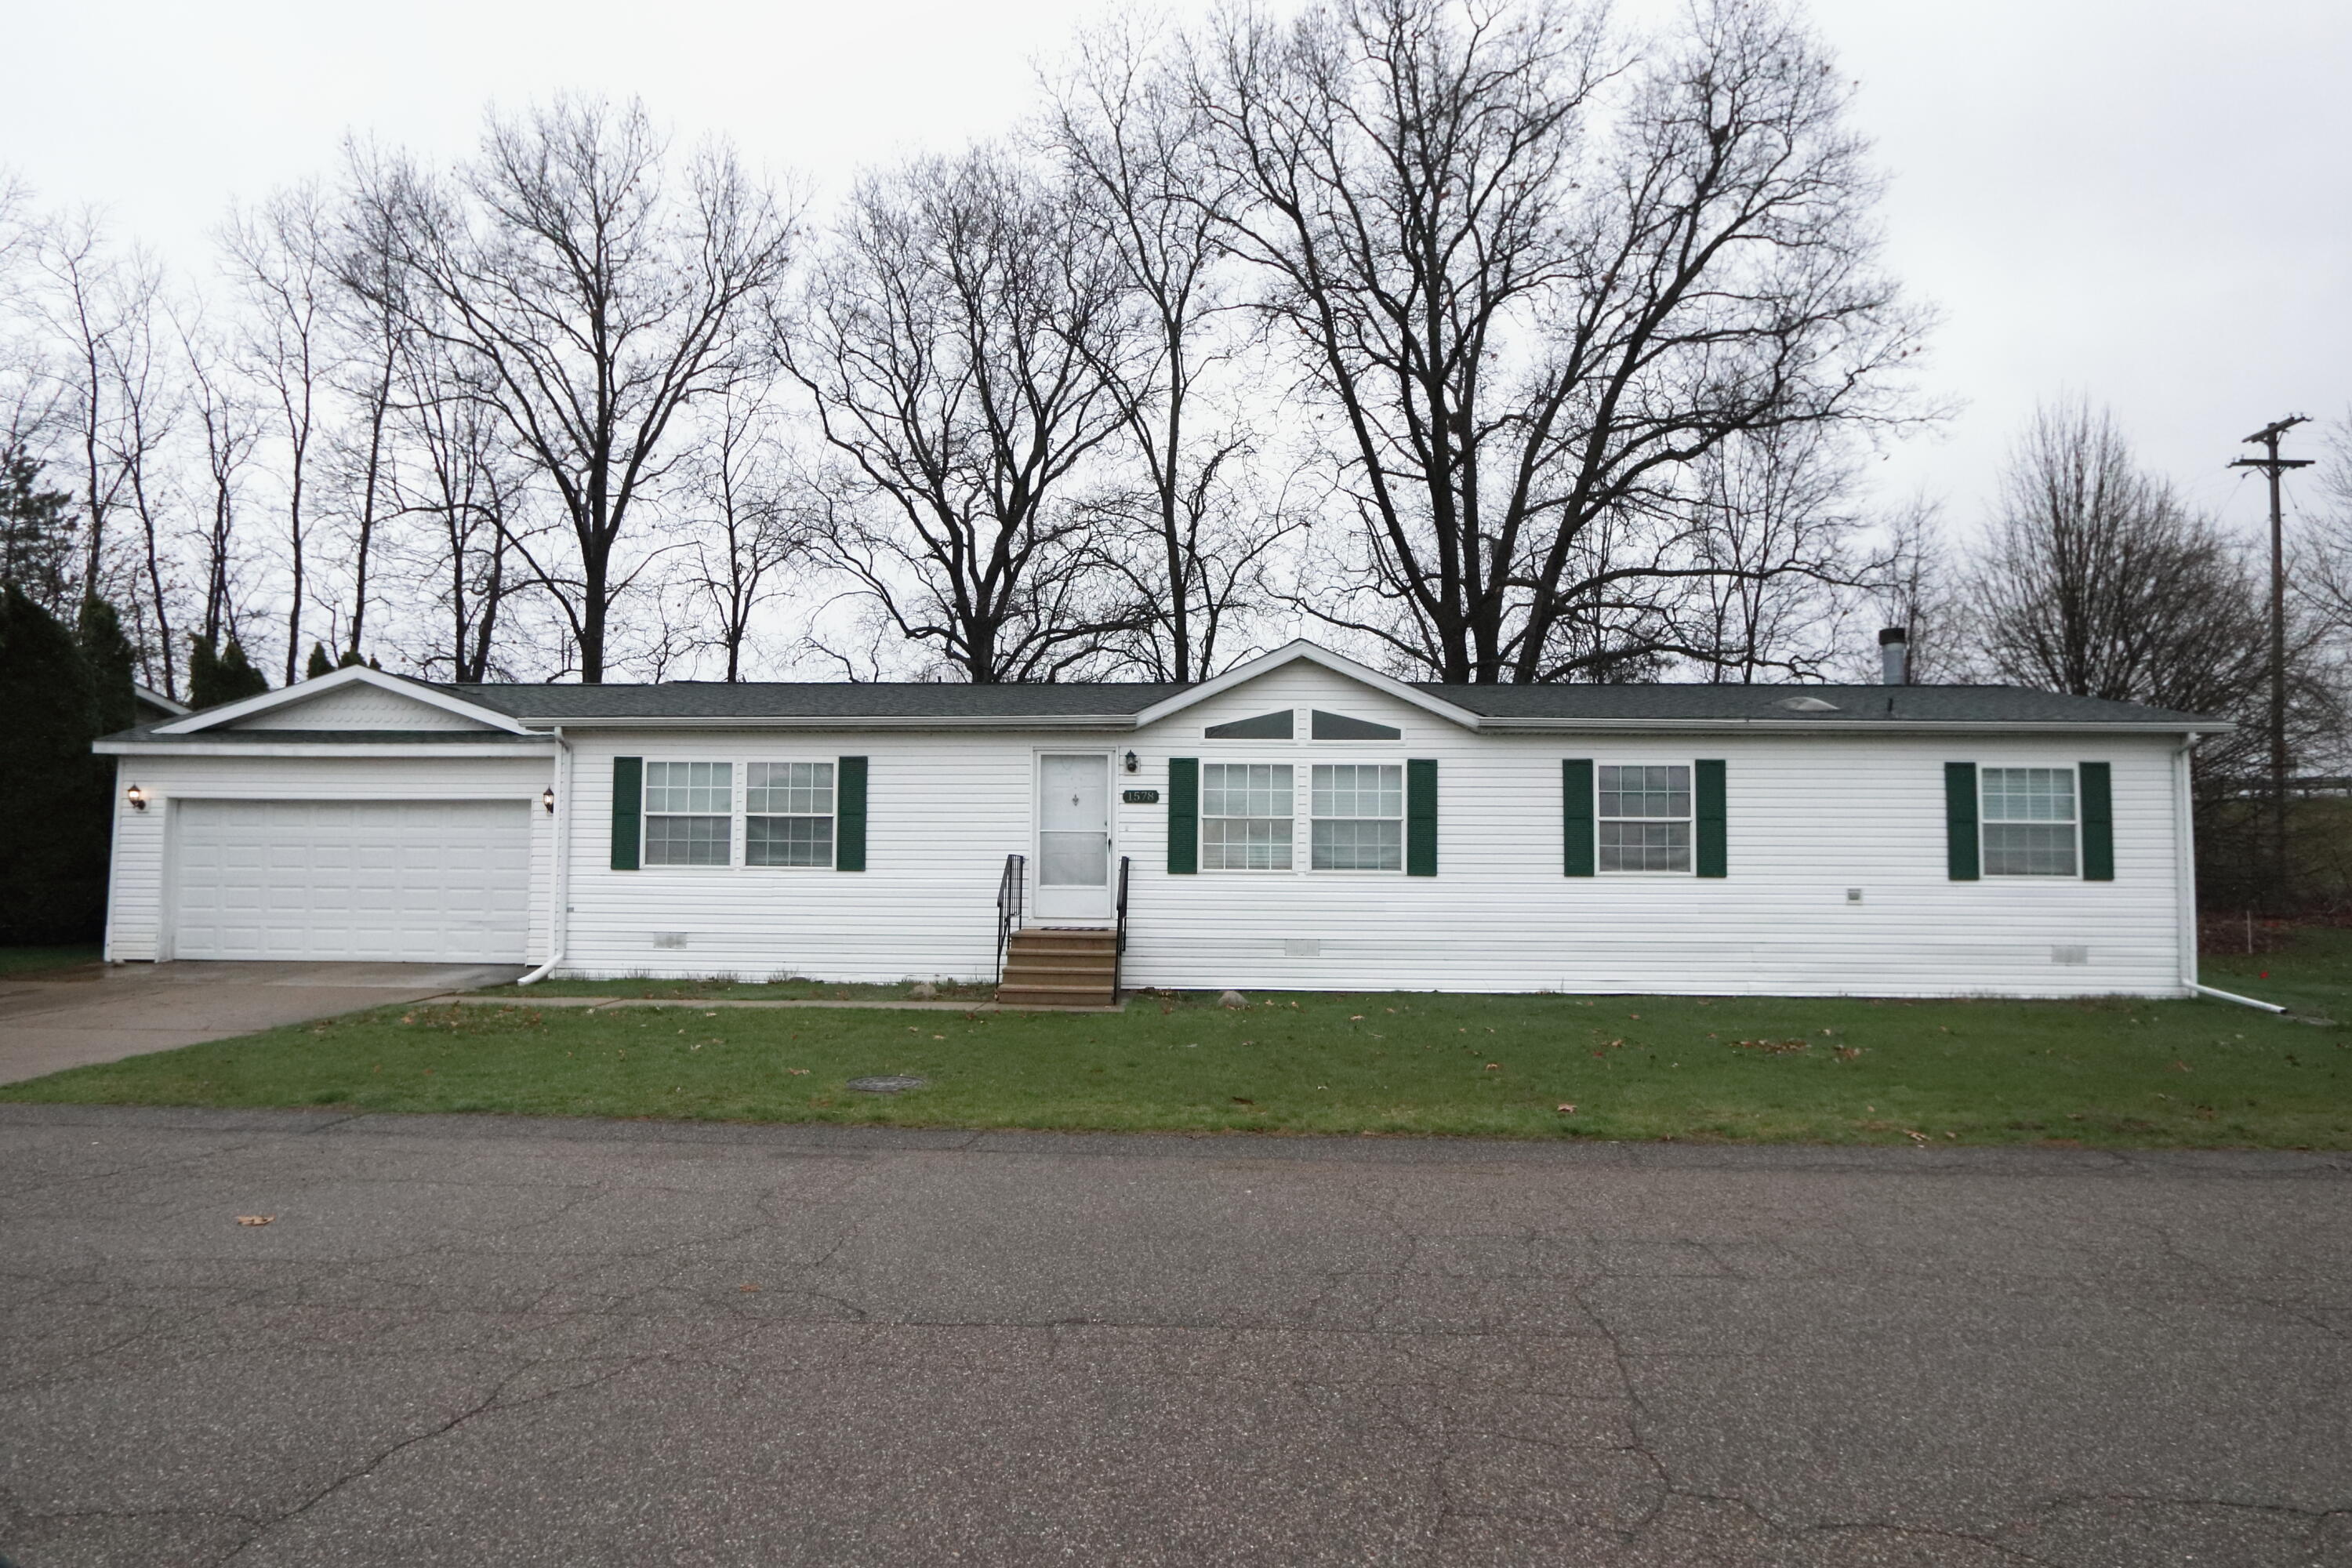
x,y
1049,966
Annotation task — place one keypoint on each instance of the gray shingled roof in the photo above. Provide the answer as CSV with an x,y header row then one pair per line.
x,y
1685,702
1903,704
813,700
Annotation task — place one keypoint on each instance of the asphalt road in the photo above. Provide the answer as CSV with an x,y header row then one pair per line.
x,y
515,1343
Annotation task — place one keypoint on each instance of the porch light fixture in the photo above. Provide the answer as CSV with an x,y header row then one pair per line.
x,y
1132,765
547,799
137,797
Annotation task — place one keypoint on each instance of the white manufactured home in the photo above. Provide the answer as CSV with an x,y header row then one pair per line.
x,y
1300,823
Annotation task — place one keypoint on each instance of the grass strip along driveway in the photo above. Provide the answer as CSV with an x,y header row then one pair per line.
x,y
2102,1073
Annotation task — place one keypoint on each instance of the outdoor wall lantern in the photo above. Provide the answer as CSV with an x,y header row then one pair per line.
x,y
1131,764
547,799
137,797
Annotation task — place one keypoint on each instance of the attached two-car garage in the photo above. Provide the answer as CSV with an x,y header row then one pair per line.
x,y
390,880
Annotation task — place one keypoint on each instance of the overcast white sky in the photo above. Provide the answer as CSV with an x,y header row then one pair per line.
x,y
2146,201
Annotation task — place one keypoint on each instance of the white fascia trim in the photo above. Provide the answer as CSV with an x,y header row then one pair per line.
x,y
1314,654
195,747
150,695
350,675
1859,726
1009,721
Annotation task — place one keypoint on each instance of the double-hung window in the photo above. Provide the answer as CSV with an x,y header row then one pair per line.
x,y
1246,812
788,814
1644,820
2028,821
689,813
1359,818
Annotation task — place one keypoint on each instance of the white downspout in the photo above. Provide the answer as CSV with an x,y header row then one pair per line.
x,y
559,930
2184,818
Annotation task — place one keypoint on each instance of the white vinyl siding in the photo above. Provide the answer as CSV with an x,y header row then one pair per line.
x,y
1246,816
1644,820
1357,817
2028,822
689,813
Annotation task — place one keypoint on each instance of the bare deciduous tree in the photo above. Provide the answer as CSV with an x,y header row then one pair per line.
x,y
1529,323
1192,532
1772,516
954,346
2097,580
283,269
604,290
753,527
229,429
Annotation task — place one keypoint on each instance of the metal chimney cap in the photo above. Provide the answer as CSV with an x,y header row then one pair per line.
x,y
1893,635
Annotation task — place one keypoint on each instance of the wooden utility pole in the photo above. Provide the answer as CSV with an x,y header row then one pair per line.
x,y
2272,464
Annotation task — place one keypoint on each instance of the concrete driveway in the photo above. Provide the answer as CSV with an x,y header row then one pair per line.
x,y
493,1341
102,1013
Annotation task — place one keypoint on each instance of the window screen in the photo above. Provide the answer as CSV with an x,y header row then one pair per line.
x,y
1644,820
1359,818
1245,816
689,813
2027,821
788,814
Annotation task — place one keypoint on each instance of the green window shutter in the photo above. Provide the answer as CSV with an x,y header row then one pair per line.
x,y
1420,816
1712,847
1961,821
1184,814
849,814
628,804
1576,816
2098,823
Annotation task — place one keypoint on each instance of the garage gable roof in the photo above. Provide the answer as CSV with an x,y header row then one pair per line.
x,y
423,694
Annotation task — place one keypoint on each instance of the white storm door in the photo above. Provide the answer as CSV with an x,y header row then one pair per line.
x,y
1073,876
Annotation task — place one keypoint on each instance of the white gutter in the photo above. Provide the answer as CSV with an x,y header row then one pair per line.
x,y
2234,996
1122,722
2184,818
197,746
559,873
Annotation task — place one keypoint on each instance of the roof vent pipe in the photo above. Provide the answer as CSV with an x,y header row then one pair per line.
x,y
1894,656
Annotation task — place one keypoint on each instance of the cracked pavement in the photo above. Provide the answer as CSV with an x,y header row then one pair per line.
x,y
490,1339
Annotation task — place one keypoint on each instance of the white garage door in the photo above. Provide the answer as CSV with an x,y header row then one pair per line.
x,y
406,881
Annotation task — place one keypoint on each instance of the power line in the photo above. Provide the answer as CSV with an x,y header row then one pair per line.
x,y
2274,466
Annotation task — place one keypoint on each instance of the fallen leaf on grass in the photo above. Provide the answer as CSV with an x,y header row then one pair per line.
x,y
1847,1053
1494,1066
798,1072
255,1218
1239,1100
1568,1110
2180,1067
1771,1047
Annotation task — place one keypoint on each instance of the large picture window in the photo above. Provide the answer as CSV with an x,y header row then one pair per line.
x,y
689,813
2028,821
1246,812
1644,820
1359,818
788,814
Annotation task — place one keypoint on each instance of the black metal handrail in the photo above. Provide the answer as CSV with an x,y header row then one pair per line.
x,y
1119,949
1009,889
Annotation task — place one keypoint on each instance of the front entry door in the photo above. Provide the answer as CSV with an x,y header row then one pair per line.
x,y
1074,837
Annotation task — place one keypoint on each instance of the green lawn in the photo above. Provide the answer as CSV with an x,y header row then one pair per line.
x,y
2107,1073
20,962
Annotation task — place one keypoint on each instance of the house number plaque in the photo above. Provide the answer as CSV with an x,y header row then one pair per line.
x,y
1140,796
